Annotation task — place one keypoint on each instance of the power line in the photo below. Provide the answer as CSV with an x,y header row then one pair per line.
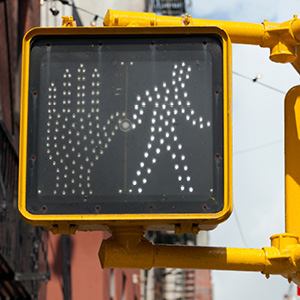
x,y
255,80
240,229
55,12
258,147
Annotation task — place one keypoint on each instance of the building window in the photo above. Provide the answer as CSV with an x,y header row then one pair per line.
x,y
112,284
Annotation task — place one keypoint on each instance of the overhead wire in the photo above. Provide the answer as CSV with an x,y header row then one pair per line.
x,y
258,147
240,229
255,80
66,2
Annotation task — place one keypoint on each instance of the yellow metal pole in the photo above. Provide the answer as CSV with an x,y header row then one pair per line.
x,y
292,161
209,258
127,248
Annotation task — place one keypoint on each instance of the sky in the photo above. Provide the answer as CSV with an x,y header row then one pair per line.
x,y
258,142
258,147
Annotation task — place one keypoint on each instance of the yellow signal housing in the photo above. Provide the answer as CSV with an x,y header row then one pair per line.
x,y
126,127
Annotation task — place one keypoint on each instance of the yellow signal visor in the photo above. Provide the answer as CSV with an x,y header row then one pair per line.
x,y
126,126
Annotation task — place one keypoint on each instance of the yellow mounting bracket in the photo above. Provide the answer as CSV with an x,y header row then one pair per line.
x,y
186,20
68,22
283,39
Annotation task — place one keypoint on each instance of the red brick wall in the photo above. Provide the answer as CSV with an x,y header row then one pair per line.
x,y
88,279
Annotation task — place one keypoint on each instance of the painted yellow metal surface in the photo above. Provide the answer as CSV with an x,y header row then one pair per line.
x,y
283,39
68,22
71,223
292,161
127,248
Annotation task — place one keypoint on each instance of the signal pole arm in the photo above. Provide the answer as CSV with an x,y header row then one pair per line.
x,y
127,248
283,39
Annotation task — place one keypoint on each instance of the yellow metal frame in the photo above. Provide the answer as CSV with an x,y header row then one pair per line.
x,y
180,222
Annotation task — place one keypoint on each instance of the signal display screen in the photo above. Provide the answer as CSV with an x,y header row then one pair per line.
x,y
125,124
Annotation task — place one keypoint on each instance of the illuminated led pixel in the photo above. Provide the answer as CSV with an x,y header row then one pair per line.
x,y
126,124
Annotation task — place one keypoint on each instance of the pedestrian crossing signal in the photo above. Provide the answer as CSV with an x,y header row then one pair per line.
x,y
125,126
